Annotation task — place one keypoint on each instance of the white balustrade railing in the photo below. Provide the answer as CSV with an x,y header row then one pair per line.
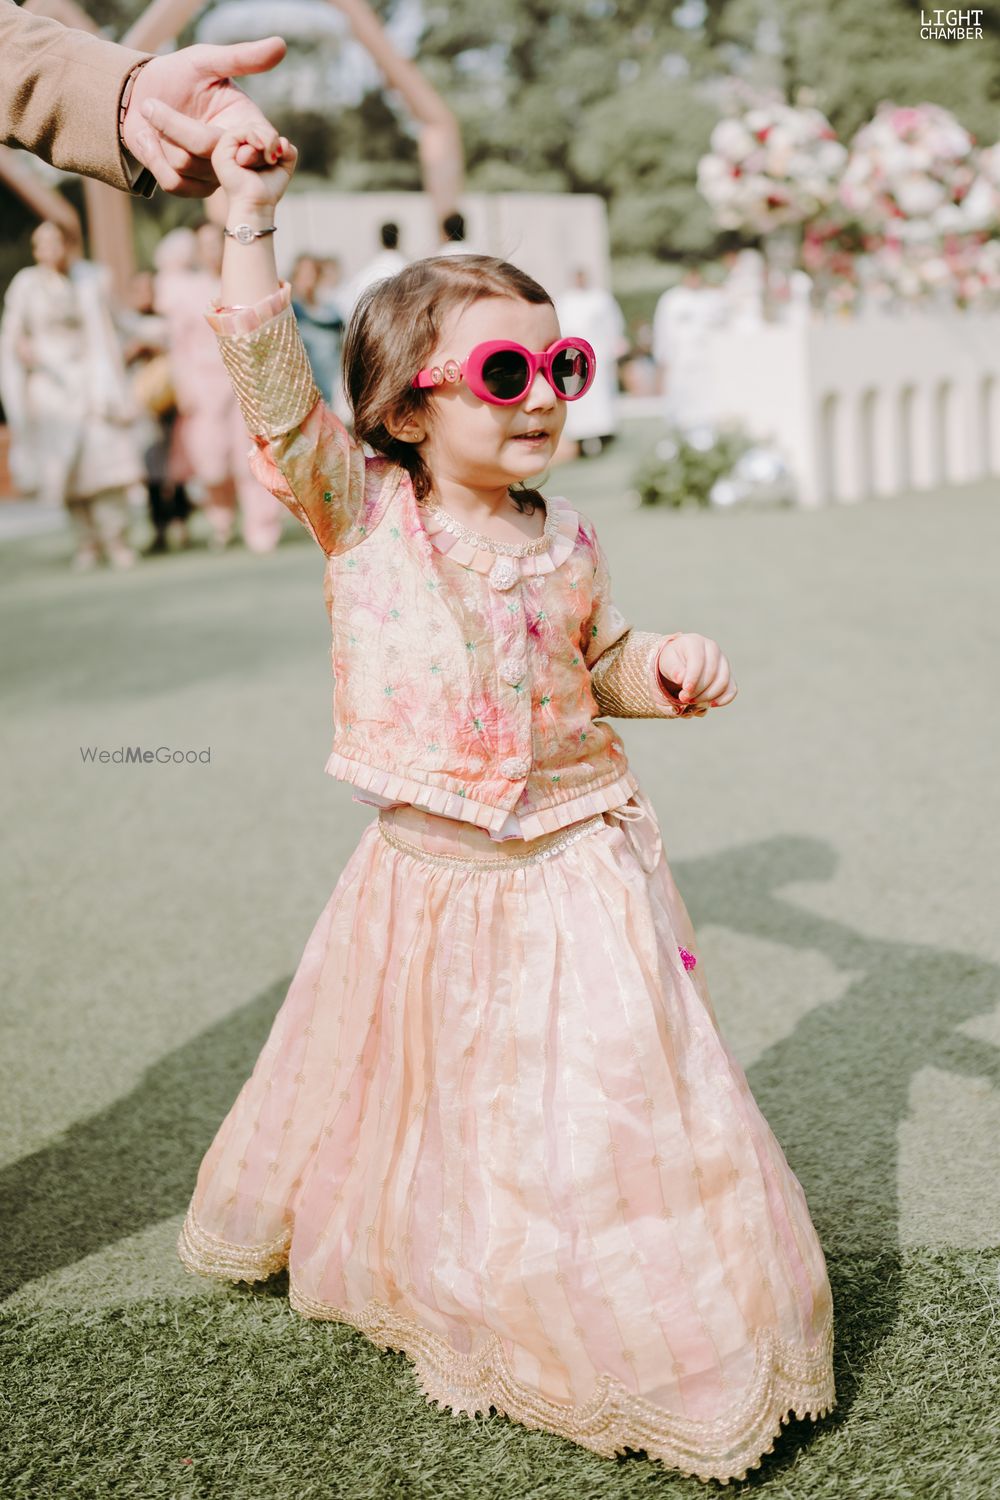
x,y
873,405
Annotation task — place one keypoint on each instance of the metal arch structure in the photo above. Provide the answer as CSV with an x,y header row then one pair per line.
x,y
109,212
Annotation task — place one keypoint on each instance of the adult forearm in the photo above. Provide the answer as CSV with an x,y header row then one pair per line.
x,y
59,94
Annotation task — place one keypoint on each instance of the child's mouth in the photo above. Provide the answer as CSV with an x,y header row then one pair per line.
x,y
531,437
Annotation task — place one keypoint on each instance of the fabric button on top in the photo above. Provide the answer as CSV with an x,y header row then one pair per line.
x,y
515,768
504,573
514,667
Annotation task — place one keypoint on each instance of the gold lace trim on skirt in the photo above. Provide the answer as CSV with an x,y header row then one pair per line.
x,y
548,845
787,1379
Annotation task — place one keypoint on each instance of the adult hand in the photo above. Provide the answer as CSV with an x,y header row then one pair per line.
x,y
181,105
696,671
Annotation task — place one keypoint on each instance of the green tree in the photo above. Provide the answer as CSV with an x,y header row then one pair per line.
x,y
853,55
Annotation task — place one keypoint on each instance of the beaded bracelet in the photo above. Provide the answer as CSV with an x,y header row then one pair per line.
x,y
126,96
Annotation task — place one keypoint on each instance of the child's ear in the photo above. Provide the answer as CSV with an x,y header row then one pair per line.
x,y
407,428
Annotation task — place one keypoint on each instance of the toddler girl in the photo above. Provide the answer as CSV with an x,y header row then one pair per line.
x,y
495,1125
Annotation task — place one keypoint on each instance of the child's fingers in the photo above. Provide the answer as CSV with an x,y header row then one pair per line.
x,y
694,667
718,682
726,697
255,154
264,151
232,144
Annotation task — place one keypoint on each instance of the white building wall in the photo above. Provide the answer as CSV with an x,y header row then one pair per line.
x,y
546,234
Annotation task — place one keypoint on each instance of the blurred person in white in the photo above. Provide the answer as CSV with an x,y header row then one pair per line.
x,y
684,315
453,240
387,262
592,312
67,398
744,288
209,447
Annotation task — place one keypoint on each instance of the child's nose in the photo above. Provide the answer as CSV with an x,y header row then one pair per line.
x,y
540,393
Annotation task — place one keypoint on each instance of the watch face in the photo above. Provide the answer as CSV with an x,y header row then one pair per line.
x,y
244,234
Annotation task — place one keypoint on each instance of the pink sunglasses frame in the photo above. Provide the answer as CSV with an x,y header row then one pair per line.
x,y
471,369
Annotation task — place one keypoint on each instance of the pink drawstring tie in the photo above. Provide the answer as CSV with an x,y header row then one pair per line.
x,y
631,812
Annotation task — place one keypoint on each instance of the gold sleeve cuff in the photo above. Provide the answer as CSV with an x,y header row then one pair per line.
x,y
625,681
271,375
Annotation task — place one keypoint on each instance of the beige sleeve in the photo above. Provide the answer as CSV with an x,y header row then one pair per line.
x,y
59,94
624,677
304,454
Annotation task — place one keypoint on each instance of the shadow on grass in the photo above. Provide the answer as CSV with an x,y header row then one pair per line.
x,y
833,1092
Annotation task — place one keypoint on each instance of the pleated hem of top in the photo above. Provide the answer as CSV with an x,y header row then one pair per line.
x,y
788,1381
467,810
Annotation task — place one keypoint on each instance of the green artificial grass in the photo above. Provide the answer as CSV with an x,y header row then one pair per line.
x,y
831,831
232,1394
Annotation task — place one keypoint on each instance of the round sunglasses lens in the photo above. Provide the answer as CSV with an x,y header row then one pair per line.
x,y
505,374
570,369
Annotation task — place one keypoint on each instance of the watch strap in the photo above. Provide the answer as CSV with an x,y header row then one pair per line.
x,y
245,233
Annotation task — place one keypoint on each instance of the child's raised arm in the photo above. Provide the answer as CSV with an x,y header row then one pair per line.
x,y
304,454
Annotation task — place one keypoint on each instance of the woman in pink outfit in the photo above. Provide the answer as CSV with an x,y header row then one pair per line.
x,y
495,1124
209,442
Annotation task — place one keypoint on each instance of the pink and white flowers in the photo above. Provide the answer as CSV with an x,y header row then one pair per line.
x,y
908,172
774,165
911,211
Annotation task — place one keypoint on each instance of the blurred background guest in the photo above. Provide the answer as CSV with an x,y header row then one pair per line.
x,y
388,261
453,240
66,395
683,316
638,372
592,313
209,447
148,360
321,324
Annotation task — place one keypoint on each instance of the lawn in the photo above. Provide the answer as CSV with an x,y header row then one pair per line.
x,y
832,832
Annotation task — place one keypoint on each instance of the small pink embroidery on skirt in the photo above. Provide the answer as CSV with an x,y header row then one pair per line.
x,y
687,959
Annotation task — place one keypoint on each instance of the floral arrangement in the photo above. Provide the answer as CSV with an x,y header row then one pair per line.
x,y
910,213
981,204
908,172
711,466
774,165
965,268
830,253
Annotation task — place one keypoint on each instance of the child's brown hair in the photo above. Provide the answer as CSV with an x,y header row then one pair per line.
x,y
392,334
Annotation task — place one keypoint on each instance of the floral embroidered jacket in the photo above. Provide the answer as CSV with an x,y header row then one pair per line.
x,y
471,677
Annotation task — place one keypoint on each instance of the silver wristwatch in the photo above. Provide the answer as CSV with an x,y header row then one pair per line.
x,y
246,235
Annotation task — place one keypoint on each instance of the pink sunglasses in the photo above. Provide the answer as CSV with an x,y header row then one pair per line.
x,y
502,373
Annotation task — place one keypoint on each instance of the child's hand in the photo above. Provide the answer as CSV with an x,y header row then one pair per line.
x,y
253,187
696,671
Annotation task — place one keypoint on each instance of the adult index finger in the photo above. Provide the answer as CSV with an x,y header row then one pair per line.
x,y
193,136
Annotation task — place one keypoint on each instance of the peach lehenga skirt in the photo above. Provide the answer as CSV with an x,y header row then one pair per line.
x,y
495,1126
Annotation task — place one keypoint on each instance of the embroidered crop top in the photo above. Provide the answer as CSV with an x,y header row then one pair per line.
x,y
471,675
